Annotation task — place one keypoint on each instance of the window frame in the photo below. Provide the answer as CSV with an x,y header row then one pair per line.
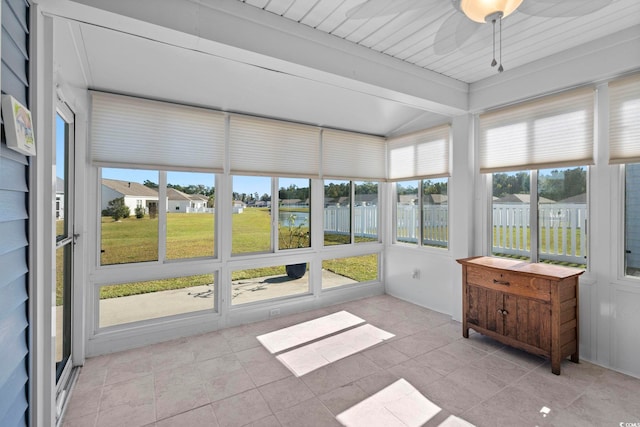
x,y
534,243
420,203
352,213
162,221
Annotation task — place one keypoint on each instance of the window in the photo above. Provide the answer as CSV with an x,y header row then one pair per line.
x,y
419,163
556,233
126,237
130,217
407,212
139,301
366,212
537,152
346,271
435,212
351,212
624,148
266,283
190,215
294,213
251,220
511,214
422,214
337,213
632,220
253,209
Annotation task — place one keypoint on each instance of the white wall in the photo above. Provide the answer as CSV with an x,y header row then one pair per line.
x,y
609,301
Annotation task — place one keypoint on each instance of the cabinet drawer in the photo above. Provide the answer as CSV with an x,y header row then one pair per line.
x,y
513,283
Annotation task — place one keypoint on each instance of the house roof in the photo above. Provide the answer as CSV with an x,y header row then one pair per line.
x,y
521,198
291,201
173,194
437,199
578,198
407,198
366,198
129,188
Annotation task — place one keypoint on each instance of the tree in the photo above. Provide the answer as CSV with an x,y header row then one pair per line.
x,y
367,188
430,187
150,184
508,183
116,209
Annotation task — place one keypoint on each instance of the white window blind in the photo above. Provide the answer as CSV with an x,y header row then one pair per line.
x,y
550,132
423,154
624,120
352,155
272,147
130,131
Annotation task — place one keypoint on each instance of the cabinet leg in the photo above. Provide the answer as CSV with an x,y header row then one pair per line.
x,y
465,329
575,358
556,361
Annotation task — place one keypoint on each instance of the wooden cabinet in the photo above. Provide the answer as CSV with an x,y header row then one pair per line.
x,y
531,306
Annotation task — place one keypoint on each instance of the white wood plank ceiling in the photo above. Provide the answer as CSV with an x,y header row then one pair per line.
x,y
410,36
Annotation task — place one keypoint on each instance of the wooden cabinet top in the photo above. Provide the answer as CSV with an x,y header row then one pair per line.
x,y
550,271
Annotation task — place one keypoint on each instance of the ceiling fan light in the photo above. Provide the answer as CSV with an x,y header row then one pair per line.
x,y
479,10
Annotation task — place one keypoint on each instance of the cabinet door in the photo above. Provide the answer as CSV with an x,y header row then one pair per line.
x,y
528,321
485,307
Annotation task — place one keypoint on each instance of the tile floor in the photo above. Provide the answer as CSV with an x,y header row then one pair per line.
x,y
228,378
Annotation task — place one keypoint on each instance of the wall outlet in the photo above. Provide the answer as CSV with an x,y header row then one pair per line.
x,y
415,274
274,312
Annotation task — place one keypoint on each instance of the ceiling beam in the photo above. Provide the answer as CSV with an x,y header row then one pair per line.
x,y
239,32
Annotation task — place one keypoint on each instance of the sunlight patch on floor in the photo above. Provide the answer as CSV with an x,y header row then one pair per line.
x,y
399,404
305,332
305,359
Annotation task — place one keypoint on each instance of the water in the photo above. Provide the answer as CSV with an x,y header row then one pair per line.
x,y
301,218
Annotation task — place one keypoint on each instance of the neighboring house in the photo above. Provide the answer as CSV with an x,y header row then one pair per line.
x,y
366,200
177,201
135,195
408,199
580,199
238,206
59,198
436,199
521,198
262,204
293,203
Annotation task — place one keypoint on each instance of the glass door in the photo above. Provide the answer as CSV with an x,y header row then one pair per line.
x,y
64,241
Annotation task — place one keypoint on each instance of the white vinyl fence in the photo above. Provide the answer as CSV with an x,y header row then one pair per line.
x,y
337,221
435,223
562,228
562,231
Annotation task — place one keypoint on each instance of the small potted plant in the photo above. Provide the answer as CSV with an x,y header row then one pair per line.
x,y
293,236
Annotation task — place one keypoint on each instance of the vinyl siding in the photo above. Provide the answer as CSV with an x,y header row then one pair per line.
x,y
14,226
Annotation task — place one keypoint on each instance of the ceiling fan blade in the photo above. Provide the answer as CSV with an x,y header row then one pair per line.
x,y
562,8
374,8
453,33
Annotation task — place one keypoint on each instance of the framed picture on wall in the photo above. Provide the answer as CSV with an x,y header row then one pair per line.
x,y
18,126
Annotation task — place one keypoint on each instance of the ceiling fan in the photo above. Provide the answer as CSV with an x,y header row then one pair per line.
x,y
468,16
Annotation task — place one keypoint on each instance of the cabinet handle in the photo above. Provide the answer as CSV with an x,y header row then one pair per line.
x,y
501,282
505,312
500,311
